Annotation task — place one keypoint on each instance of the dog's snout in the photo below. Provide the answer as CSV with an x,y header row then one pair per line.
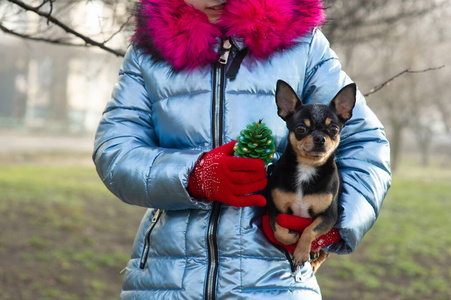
x,y
319,140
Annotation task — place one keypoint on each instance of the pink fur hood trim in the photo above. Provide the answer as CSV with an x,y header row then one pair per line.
x,y
175,32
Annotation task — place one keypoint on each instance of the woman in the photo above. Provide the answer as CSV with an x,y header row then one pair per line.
x,y
197,72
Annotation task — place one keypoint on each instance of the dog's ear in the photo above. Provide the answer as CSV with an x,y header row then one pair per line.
x,y
344,102
286,99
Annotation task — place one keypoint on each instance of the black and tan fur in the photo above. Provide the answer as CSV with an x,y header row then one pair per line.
x,y
305,181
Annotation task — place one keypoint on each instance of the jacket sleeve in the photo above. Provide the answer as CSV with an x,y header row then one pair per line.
x,y
363,156
127,156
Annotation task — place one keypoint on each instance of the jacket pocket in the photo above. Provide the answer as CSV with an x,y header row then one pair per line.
x,y
146,247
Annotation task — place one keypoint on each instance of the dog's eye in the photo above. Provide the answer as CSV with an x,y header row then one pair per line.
x,y
334,129
301,129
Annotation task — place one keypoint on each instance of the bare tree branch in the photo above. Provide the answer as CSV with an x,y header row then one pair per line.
x,y
353,20
50,12
63,26
38,39
51,8
380,86
119,30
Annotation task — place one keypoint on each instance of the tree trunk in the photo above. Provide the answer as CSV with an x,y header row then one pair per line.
x,y
424,139
395,143
59,105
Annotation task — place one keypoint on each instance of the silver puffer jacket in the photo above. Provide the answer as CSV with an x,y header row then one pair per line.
x,y
159,122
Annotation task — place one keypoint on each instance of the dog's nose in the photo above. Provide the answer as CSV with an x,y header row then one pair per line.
x,y
319,140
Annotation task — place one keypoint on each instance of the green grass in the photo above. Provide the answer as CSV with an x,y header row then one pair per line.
x,y
406,255
50,184
64,236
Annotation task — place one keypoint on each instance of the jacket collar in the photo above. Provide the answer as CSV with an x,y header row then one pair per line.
x,y
175,32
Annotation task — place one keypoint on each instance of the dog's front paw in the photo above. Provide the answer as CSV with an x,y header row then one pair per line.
x,y
318,259
285,236
315,265
301,257
314,255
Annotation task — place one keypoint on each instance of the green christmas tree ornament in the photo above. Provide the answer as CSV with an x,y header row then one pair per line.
x,y
256,142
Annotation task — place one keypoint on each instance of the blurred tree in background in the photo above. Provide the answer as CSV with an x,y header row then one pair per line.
x,y
380,38
57,22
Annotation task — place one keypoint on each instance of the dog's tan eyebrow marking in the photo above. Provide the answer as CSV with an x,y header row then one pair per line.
x,y
328,121
307,122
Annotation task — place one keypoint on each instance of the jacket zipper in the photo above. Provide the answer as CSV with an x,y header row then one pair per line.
x,y
217,107
212,272
146,249
218,115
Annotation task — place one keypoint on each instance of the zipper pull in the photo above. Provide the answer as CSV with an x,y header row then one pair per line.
x,y
225,51
156,216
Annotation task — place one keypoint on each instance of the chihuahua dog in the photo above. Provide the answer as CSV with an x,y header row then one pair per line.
x,y
305,181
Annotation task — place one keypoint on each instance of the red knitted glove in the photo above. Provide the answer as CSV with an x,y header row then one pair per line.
x,y
219,176
299,224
